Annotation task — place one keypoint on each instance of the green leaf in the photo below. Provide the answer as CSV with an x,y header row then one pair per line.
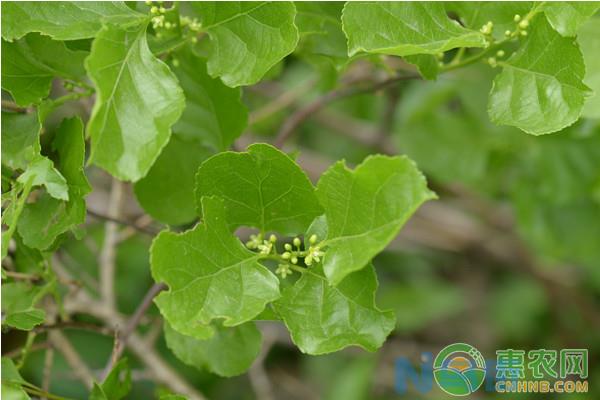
x,y
12,381
426,64
214,113
167,191
324,318
366,208
589,41
229,352
138,100
20,139
262,188
210,274
247,38
116,385
540,88
30,64
566,17
63,20
18,305
42,221
40,172
404,28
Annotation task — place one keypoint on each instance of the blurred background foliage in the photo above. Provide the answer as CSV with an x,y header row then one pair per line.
x,y
508,257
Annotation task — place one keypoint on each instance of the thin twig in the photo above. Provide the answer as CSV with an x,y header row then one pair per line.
x,y
48,363
121,339
138,227
80,369
108,252
298,117
10,106
75,325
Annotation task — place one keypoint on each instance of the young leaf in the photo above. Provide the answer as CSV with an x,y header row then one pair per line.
x,y
12,381
18,305
567,16
116,385
540,89
366,208
324,318
229,352
214,113
20,139
64,20
167,191
30,64
40,172
247,38
211,275
262,188
137,102
42,221
404,28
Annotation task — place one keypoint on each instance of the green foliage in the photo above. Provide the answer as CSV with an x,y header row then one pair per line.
x,y
138,101
163,94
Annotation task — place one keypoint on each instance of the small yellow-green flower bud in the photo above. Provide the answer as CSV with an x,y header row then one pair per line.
x,y
500,53
287,246
507,33
162,9
524,24
272,238
313,239
308,260
517,18
286,255
176,62
294,260
154,10
168,25
523,33
297,242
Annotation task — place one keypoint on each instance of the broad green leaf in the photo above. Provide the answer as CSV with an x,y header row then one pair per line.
x,y
262,188
138,100
167,191
45,219
18,305
116,385
229,352
210,274
323,318
214,113
540,88
63,20
247,38
20,139
30,64
475,14
404,28
567,16
589,41
41,172
366,208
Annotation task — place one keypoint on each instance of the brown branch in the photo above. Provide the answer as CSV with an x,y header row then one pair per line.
x,y
47,375
133,225
121,339
107,257
10,106
297,118
60,342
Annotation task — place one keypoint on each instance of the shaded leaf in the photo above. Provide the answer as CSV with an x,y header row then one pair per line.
x,y
30,64
229,352
18,305
116,385
214,113
20,139
567,16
